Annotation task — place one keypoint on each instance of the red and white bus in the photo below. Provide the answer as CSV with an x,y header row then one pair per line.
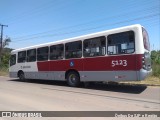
x,y
121,54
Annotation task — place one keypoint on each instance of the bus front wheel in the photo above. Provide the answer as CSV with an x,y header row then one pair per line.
x,y
73,79
21,76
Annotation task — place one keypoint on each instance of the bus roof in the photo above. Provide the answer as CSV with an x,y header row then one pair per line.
x,y
111,31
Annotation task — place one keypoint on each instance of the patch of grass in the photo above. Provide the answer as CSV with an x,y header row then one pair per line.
x,y
4,73
156,70
150,81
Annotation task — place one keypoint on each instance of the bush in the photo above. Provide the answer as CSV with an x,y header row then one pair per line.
x,y
4,70
156,69
155,56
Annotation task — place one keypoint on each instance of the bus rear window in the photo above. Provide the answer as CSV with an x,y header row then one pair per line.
x,y
145,39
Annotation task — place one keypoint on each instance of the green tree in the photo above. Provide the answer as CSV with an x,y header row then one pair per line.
x,y
5,59
4,44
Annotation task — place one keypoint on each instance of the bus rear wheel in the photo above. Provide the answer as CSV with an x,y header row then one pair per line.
x,y
73,79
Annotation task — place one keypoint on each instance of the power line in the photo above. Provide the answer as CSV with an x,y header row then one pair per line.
x,y
101,26
23,16
90,22
81,30
131,3
40,11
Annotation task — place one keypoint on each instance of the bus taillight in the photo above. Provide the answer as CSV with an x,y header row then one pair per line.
x,y
143,63
146,61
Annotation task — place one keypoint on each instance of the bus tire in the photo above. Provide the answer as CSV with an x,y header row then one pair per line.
x,y
21,76
73,79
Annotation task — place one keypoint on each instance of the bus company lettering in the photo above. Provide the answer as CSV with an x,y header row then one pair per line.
x,y
23,67
119,62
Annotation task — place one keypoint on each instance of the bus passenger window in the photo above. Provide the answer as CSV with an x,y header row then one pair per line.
x,y
121,43
42,54
73,49
94,47
31,55
13,60
57,52
21,56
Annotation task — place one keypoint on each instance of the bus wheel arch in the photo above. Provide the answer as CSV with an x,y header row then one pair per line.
x,y
72,77
21,75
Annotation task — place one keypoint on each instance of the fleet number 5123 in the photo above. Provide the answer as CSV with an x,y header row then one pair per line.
x,y
119,62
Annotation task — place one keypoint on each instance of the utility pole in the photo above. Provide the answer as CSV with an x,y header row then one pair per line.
x,y
1,42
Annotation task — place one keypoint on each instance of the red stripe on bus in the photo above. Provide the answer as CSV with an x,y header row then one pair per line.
x,y
106,63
